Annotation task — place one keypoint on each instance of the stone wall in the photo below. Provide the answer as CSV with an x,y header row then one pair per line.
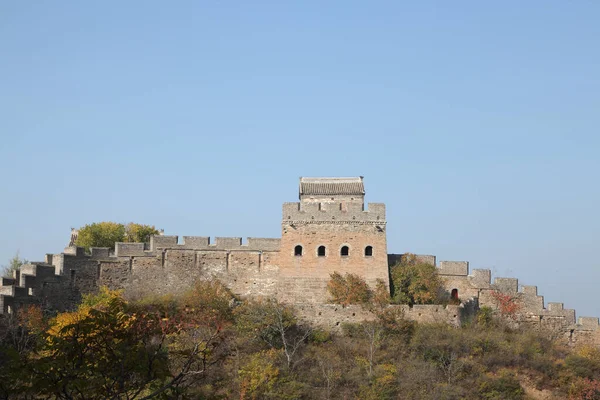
x,y
333,316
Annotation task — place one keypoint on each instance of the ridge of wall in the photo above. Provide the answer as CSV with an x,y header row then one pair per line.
x,y
159,243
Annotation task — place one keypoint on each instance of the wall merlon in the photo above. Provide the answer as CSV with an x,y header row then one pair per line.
x,y
100,252
481,278
506,285
160,241
553,307
129,249
196,242
228,243
75,251
588,323
48,258
529,290
264,244
453,268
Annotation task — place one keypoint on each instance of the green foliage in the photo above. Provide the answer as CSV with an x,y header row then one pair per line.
x,y
100,234
348,289
485,316
13,265
416,282
106,234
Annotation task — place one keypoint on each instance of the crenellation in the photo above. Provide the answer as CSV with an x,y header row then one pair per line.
x,y
333,212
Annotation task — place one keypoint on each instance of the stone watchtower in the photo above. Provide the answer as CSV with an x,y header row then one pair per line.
x,y
330,230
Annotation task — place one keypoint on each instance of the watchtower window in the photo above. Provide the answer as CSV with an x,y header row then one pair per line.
x,y
298,251
321,251
344,251
368,251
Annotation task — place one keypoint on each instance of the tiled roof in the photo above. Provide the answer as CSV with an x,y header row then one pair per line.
x,y
332,186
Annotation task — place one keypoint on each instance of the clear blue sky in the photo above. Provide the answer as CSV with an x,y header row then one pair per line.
x,y
477,123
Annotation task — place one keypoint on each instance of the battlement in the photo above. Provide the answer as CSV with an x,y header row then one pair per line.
x,y
333,212
203,243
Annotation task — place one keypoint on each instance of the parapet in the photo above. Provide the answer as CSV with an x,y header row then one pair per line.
x,y
460,268
334,212
221,243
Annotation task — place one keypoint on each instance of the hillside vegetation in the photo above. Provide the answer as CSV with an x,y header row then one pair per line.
x,y
205,344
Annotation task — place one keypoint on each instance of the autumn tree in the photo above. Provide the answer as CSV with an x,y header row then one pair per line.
x,y
508,304
415,282
108,348
348,289
274,324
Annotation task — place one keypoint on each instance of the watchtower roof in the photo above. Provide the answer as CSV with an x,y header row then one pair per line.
x,y
332,186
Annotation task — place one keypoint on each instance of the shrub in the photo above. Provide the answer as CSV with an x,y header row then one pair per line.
x,y
348,289
505,387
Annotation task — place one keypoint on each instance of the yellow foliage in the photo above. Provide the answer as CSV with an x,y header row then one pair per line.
x,y
259,374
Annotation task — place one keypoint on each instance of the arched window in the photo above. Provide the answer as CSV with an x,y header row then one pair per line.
x,y
344,251
321,251
454,294
298,251
368,251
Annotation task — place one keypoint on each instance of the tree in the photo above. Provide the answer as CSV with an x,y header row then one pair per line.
x,y
106,234
13,265
348,289
139,233
108,348
415,282
274,324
